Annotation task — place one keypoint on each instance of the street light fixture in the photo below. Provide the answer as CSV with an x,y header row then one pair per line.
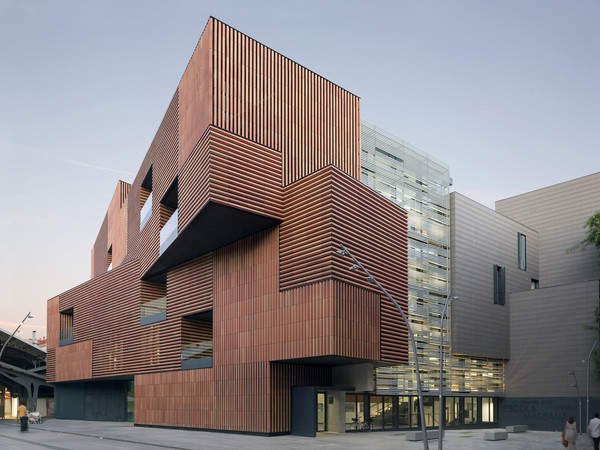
x,y
357,265
576,386
17,329
441,407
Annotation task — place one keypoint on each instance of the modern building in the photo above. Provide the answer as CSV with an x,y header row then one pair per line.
x,y
526,299
217,299
472,385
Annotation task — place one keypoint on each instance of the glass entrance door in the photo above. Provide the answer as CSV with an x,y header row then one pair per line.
x,y
321,411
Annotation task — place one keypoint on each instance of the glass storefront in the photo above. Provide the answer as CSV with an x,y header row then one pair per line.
x,y
392,412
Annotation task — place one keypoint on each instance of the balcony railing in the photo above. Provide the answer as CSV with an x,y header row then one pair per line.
x,y
146,212
168,233
153,311
197,355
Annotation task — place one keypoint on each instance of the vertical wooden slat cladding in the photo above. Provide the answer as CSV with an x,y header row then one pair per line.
x,y
325,318
328,208
75,362
176,399
245,294
53,322
283,377
284,98
196,95
227,169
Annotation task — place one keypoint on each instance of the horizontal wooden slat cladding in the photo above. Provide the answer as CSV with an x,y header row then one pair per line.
x,y
74,361
117,225
195,95
263,96
166,141
106,310
51,365
283,378
99,249
149,241
328,208
194,182
245,174
190,287
230,170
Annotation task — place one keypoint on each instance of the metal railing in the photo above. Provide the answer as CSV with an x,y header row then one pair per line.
x,y
146,212
168,233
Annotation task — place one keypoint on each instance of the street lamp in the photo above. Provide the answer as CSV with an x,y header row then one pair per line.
x,y
441,407
587,391
357,265
576,386
22,322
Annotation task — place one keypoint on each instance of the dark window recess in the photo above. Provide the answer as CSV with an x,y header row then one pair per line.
x,y
535,284
153,307
499,285
197,341
66,328
522,250
109,259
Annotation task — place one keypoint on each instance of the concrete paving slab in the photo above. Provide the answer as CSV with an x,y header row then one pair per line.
x,y
74,434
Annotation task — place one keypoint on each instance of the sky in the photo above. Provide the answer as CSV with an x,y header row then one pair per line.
x,y
505,92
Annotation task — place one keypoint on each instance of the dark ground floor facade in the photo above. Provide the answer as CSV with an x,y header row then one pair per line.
x,y
324,409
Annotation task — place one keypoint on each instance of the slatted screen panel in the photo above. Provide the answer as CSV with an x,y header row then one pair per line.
x,y
328,208
263,96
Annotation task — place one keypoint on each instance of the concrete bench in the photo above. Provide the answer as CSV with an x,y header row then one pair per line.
x,y
516,428
495,435
418,435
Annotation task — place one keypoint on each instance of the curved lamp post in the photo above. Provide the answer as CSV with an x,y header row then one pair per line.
x,y
17,329
441,407
357,265
576,386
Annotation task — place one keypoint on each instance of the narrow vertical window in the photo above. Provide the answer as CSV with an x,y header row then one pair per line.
x,y
522,240
499,285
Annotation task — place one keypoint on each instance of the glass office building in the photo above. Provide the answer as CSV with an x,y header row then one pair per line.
x,y
420,183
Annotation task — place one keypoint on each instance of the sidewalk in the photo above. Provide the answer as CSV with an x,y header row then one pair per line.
x,y
74,434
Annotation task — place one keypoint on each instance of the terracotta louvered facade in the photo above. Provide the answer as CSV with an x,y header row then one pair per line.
x,y
225,297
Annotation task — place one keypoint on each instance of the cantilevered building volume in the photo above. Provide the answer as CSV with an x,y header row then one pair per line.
x,y
217,300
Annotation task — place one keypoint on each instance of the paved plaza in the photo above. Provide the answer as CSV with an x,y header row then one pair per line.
x,y
73,434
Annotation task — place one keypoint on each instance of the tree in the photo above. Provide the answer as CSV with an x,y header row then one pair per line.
x,y
593,238
593,233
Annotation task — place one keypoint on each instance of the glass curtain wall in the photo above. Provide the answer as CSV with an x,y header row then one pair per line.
x,y
420,184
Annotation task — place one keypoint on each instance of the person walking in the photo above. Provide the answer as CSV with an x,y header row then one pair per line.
x,y
571,433
21,411
594,430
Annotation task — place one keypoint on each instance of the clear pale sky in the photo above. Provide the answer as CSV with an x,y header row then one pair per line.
x,y
506,92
